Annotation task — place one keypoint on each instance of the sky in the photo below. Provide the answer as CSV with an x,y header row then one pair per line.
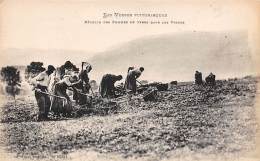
x,y
60,24
31,25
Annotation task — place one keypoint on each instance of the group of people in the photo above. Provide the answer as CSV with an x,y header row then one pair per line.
x,y
57,99
210,79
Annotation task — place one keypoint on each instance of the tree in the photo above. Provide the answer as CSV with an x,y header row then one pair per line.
x,y
11,75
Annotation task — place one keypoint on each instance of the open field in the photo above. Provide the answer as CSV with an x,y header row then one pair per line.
x,y
185,122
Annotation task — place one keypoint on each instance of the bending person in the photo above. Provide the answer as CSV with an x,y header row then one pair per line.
x,y
62,104
131,79
107,85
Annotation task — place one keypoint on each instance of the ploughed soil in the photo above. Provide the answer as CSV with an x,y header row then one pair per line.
x,y
185,120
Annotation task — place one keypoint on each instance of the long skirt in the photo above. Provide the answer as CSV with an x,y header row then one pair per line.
x,y
60,105
43,102
130,83
81,99
106,88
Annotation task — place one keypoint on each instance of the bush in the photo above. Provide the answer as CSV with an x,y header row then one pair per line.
x,y
11,75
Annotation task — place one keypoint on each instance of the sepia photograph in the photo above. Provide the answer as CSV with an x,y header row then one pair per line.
x,y
136,80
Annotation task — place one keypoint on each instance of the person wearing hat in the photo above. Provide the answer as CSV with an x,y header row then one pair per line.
x,y
41,84
62,103
107,85
132,75
67,69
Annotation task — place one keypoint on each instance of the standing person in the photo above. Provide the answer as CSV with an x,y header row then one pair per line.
x,y
132,75
129,69
83,76
198,78
41,87
60,90
107,85
84,85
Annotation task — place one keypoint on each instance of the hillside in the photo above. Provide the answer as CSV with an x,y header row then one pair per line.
x,y
168,57
178,56
188,122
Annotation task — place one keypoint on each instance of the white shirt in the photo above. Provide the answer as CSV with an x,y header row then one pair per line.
x,y
43,79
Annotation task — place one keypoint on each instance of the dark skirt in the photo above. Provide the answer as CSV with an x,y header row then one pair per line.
x,y
43,102
130,83
80,98
106,87
60,105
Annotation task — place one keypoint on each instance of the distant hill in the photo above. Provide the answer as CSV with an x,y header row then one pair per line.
x,y
13,56
165,57
178,56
